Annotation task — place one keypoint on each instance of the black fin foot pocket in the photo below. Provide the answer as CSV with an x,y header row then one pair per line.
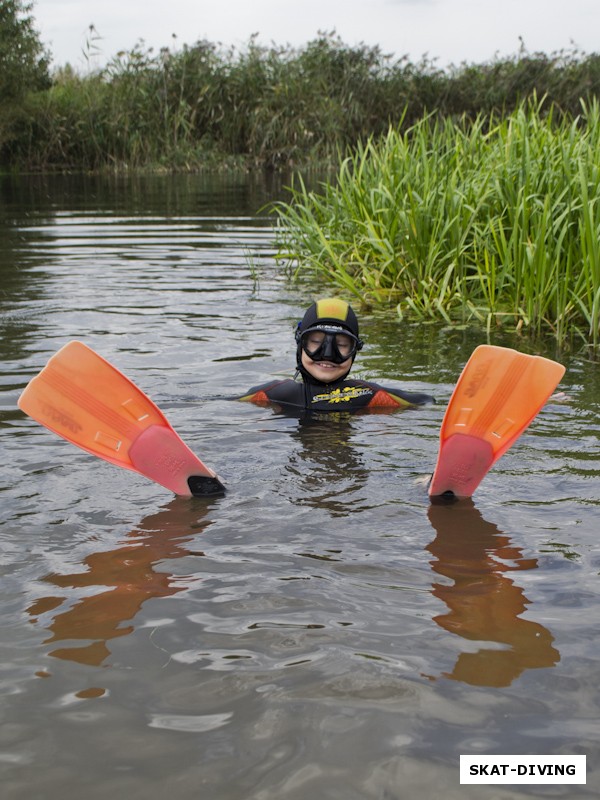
x,y
205,486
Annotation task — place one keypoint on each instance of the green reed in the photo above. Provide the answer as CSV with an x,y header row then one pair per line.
x,y
495,221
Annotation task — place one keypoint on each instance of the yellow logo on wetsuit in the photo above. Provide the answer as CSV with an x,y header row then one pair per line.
x,y
342,395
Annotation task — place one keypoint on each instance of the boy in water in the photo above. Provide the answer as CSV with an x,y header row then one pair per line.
x,y
327,343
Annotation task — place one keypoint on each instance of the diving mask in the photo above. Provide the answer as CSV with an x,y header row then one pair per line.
x,y
329,343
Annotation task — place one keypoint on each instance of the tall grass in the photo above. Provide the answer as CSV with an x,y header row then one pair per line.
x,y
495,221
273,107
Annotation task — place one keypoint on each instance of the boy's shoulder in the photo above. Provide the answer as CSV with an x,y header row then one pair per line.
x,y
393,395
283,391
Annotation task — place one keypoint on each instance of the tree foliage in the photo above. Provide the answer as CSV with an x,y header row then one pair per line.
x,y
24,61
204,105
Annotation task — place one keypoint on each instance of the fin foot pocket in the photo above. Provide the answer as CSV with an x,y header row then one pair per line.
x,y
204,486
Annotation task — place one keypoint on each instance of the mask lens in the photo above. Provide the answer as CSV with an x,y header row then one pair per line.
x,y
345,344
312,342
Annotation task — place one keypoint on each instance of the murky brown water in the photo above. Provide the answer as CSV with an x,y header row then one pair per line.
x,y
322,630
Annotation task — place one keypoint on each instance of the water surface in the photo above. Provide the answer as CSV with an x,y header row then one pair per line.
x,y
322,630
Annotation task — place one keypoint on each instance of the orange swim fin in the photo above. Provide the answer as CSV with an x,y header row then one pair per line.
x,y
83,398
498,394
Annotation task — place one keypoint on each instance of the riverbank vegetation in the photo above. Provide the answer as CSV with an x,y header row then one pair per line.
x,y
203,106
493,220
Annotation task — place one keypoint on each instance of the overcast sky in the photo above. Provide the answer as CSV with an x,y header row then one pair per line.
x,y
451,31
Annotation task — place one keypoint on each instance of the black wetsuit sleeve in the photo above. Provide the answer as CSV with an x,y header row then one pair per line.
x,y
286,393
389,396
259,394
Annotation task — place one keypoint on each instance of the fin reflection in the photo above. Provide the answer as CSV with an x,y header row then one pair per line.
x,y
129,578
484,603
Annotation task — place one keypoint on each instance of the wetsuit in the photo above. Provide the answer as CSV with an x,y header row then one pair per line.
x,y
342,395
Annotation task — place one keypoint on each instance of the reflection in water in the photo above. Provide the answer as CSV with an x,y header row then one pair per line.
x,y
327,463
129,576
484,602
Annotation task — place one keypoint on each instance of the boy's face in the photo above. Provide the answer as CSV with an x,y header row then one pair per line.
x,y
325,371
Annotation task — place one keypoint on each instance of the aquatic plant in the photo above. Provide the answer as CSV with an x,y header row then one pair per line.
x,y
494,221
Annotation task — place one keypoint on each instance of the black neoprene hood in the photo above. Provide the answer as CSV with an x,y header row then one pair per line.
x,y
331,311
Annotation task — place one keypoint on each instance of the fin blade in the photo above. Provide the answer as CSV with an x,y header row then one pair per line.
x,y
498,394
83,398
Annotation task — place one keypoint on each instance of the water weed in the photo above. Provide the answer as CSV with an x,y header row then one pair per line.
x,y
494,221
